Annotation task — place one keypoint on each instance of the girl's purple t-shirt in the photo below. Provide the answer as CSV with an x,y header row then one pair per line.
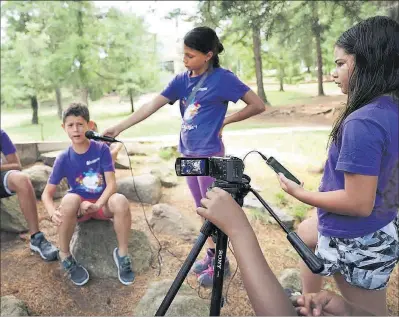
x,y
84,172
203,118
368,146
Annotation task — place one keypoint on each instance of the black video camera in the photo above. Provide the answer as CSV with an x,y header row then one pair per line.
x,y
229,168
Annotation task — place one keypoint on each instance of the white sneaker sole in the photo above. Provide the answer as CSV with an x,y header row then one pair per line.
x,y
117,265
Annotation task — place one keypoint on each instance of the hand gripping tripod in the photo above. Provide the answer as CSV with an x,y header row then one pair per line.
x,y
238,191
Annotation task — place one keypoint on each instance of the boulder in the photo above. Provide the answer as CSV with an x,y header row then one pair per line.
x,y
12,218
93,244
12,306
39,175
145,188
168,220
186,303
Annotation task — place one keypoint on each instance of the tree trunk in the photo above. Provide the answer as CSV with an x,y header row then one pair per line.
x,y
281,77
58,97
84,96
81,49
308,70
316,30
258,63
393,11
319,65
35,106
131,99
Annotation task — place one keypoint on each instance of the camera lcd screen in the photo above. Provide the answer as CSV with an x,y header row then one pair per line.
x,y
192,167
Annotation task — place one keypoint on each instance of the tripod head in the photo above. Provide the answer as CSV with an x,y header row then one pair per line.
x,y
237,190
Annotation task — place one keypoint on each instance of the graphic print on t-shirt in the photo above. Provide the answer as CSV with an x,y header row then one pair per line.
x,y
91,182
189,114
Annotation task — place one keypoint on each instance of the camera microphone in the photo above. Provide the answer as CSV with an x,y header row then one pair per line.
x,y
96,136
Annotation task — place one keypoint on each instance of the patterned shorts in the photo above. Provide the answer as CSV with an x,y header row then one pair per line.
x,y
365,262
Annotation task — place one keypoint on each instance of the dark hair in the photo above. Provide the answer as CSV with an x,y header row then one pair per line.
x,y
205,40
76,109
374,43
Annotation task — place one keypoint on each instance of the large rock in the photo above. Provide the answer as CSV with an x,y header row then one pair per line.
x,y
39,174
48,158
12,219
168,220
291,279
28,152
251,201
12,306
93,244
186,303
167,177
146,188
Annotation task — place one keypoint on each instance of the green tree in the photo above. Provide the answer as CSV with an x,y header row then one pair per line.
x,y
130,62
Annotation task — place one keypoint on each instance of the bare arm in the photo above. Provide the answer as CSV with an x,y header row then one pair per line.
x,y
109,190
264,290
144,112
13,163
356,199
47,198
254,106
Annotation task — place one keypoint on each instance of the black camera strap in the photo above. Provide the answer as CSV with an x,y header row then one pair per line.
x,y
198,86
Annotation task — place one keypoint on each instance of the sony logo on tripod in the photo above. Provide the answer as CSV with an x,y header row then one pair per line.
x,y
220,259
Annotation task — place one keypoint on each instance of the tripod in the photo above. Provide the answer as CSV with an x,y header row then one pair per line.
x,y
238,192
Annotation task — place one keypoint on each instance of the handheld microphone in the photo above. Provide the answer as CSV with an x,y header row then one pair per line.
x,y
96,136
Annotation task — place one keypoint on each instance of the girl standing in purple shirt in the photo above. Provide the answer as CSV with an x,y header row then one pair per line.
x,y
203,114
355,233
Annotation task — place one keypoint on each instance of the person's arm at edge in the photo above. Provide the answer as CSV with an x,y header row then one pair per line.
x,y
264,290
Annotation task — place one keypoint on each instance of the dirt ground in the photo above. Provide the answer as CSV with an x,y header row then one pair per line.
x,y
45,290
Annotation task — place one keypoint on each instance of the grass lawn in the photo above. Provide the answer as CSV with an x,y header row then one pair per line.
x,y
108,111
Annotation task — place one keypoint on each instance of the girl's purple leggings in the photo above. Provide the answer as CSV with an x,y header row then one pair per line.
x,y
199,184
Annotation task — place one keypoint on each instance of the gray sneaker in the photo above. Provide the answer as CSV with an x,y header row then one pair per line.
x,y
124,265
40,245
77,273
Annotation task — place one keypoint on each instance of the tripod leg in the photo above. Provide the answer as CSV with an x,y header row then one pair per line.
x,y
206,231
220,258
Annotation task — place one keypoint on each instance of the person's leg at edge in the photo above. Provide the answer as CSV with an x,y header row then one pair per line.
x,y
20,184
69,207
307,231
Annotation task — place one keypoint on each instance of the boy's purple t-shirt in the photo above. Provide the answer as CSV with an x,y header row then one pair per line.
x,y
203,118
84,172
6,146
368,146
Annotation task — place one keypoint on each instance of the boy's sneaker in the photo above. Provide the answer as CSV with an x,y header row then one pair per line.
x,y
77,273
201,265
206,278
46,250
124,265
